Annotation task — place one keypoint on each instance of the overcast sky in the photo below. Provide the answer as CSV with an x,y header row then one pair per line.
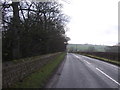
x,y
92,21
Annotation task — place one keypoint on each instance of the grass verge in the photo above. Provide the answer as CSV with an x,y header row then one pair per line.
x,y
39,78
115,62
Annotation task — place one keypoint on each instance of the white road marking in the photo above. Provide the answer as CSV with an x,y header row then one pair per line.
x,y
108,76
87,62
116,67
101,72
76,56
79,57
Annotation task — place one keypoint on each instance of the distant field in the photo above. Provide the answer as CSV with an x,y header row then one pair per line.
x,y
84,47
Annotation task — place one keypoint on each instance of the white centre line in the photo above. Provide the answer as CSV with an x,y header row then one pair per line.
x,y
87,62
101,72
84,60
108,76
76,56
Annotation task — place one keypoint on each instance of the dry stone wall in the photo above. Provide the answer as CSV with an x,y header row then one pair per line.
x,y
16,72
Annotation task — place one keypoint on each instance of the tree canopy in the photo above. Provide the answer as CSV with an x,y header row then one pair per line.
x,y
32,28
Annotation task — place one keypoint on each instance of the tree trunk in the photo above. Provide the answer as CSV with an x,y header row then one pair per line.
x,y
16,27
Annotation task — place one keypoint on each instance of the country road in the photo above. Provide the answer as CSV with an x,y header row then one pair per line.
x,y
79,71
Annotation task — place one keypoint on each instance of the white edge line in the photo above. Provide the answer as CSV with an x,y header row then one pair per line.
x,y
102,72
108,76
103,62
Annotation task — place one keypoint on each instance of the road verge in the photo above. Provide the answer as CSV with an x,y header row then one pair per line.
x,y
104,59
40,78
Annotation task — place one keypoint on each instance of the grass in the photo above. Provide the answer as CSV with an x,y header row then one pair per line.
x,y
39,78
83,47
104,59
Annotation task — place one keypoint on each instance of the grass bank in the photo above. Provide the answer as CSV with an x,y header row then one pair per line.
x,y
115,62
39,78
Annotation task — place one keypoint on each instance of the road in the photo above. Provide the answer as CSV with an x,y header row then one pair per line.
x,y
79,71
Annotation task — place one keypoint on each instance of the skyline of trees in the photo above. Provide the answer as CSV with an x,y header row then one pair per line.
x,y
32,28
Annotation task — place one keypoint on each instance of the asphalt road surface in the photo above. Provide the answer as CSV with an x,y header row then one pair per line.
x,y
79,71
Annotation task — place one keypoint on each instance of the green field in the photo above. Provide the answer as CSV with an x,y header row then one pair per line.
x,y
84,47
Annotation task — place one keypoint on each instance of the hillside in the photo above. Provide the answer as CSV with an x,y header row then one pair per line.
x,y
84,47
